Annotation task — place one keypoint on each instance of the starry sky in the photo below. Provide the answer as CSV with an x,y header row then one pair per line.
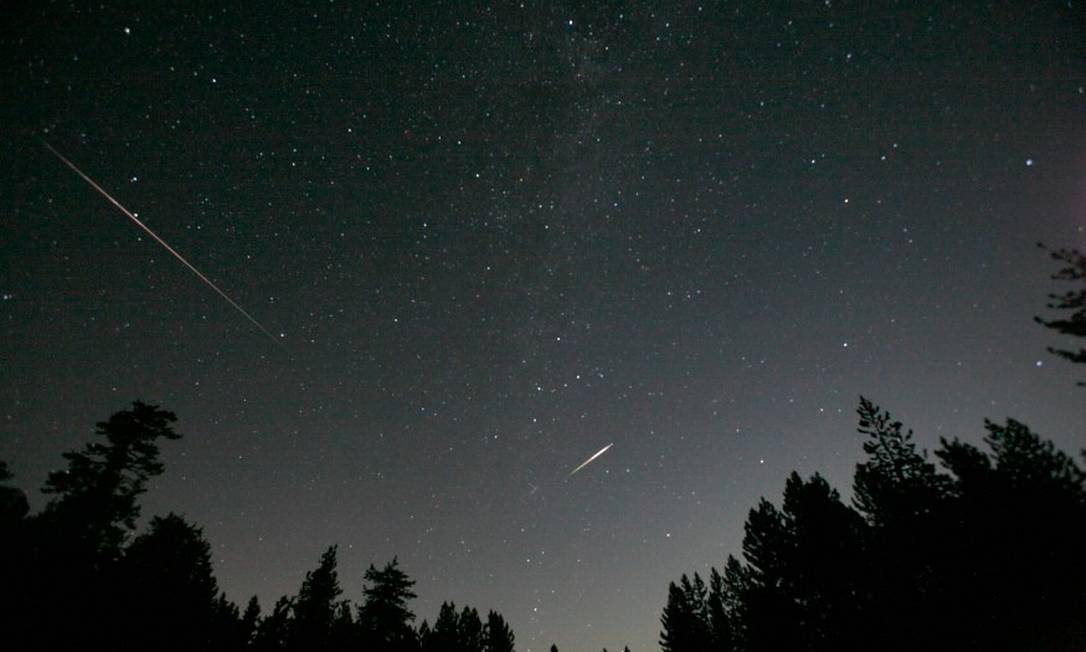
x,y
492,239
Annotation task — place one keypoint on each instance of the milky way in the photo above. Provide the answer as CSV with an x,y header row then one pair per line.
x,y
494,238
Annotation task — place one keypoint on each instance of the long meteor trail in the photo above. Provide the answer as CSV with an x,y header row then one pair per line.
x,y
159,240
590,460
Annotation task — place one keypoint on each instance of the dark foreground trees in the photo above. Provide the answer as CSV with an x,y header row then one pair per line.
x,y
75,578
168,593
74,547
984,553
13,503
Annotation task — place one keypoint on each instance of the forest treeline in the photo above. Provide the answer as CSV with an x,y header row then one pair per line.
x,y
972,550
984,551
75,577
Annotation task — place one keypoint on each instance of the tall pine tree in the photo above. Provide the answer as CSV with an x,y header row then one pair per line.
x,y
384,617
685,620
315,607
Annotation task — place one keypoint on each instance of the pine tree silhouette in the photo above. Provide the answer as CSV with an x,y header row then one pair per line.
x,y
685,620
315,606
344,633
96,504
470,631
383,617
1072,301
167,589
249,620
273,632
444,636
986,555
499,637
73,546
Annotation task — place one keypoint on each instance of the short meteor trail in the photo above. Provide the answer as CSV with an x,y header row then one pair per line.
x,y
589,460
159,240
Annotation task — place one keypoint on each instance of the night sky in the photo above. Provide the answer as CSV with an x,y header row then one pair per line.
x,y
491,240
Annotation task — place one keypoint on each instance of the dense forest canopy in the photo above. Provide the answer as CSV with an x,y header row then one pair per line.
x,y
980,551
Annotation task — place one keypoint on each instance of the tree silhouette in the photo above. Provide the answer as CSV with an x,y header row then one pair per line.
x,y
464,631
273,632
13,502
499,637
157,590
726,605
1072,301
685,620
383,617
228,629
800,586
168,592
470,631
986,555
249,620
1022,510
15,573
315,608
423,635
444,636
73,546
823,557
344,633
896,482
96,504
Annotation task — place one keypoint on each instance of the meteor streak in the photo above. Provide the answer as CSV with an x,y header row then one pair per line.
x,y
130,215
589,460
